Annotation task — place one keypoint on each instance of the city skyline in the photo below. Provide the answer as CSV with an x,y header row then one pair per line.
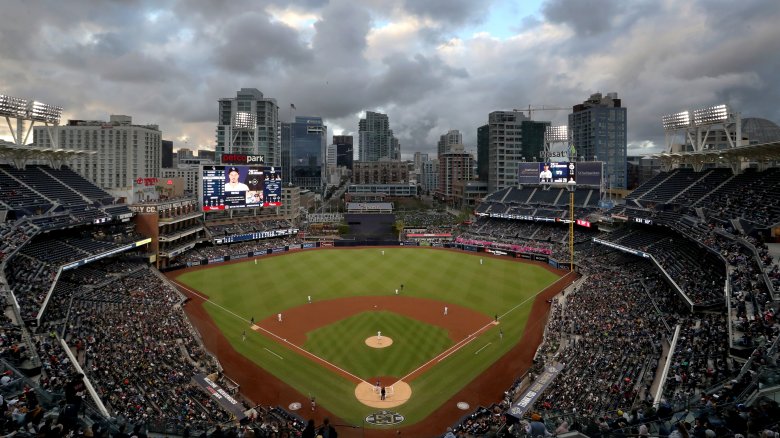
x,y
430,68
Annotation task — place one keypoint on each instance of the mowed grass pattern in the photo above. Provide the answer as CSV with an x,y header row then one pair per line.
x,y
343,344
240,291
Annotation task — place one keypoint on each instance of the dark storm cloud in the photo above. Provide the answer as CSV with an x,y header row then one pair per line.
x,y
251,42
408,80
586,17
449,12
428,64
337,44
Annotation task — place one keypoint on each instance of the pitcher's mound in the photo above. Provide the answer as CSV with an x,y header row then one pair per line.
x,y
396,395
377,342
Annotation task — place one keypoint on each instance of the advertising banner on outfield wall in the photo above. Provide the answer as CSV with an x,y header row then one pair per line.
x,y
527,400
308,245
220,395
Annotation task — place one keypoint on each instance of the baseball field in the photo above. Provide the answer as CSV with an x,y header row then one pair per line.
x,y
331,323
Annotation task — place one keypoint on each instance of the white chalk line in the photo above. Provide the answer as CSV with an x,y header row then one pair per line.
x,y
274,335
463,342
280,357
477,352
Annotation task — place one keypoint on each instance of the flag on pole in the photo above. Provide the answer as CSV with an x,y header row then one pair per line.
x,y
292,105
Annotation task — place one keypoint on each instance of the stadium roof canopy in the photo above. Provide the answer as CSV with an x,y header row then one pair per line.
x,y
18,155
765,152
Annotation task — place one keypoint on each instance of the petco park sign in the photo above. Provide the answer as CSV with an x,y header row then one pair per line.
x,y
242,159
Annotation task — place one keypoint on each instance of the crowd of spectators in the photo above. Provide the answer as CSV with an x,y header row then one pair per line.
x,y
14,235
612,353
433,220
700,358
698,272
12,346
30,280
241,248
752,197
136,347
610,335
534,237
245,227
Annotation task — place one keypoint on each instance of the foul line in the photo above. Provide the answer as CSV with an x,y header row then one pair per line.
x,y
486,345
274,335
534,296
465,341
280,357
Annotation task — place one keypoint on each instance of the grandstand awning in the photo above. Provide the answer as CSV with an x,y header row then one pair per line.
x,y
755,152
20,154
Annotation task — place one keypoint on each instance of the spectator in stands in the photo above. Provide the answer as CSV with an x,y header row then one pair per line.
x,y
536,427
326,430
310,431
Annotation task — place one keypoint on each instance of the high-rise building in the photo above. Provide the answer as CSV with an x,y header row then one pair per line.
x,y
429,176
330,155
166,149
512,138
249,124
598,133
483,145
452,137
380,172
344,151
285,129
206,154
123,151
419,158
304,144
455,166
375,138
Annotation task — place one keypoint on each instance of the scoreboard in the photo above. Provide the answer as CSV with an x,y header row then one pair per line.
x,y
228,187
557,173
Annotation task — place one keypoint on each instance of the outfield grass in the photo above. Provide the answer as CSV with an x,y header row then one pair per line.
x,y
241,291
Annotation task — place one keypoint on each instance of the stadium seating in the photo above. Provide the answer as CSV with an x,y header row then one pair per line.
x,y
78,183
19,196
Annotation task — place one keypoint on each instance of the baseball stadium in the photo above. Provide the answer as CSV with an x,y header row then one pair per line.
x,y
552,306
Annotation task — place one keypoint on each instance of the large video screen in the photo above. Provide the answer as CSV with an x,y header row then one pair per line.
x,y
528,173
589,173
227,187
557,173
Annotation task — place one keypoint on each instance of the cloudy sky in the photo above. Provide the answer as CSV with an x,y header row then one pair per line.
x,y
432,65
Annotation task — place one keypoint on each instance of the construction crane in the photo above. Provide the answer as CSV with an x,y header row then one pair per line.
x,y
531,109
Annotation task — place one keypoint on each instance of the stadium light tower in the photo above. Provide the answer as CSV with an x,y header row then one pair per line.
x,y
243,122
558,135
698,125
33,111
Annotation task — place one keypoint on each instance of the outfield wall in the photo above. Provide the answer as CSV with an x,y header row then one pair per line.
x,y
517,253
